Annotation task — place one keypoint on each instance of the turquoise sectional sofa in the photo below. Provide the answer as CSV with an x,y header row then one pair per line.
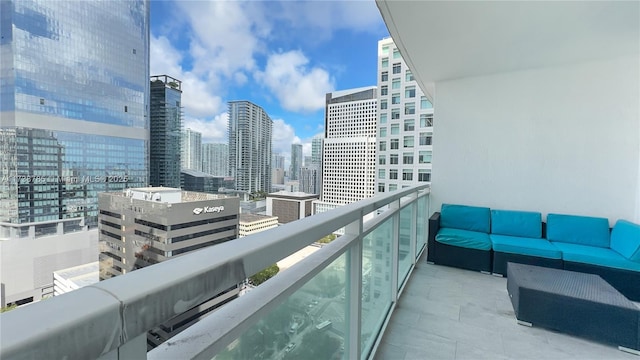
x,y
481,239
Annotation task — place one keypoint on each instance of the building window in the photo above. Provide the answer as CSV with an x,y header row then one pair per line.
x,y
425,138
409,108
408,75
395,98
396,54
41,101
407,174
382,160
397,68
424,175
393,159
383,104
394,144
392,187
381,187
407,158
384,76
381,173
383,118
383,132
409,125
395,129
395,84
383,146
393,174
410,92
424,103
126,109
385,50
384,90
426,120
385,62
424,157
395,114
408,141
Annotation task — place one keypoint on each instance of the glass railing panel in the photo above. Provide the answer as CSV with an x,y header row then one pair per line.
x,y
310,324
404,244
421,224
376,282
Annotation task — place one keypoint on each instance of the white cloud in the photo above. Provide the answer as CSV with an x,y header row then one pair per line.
x,y
297,87
283,136
198,99
214,130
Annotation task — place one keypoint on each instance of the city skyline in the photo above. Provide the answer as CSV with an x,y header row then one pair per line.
x,y
292,54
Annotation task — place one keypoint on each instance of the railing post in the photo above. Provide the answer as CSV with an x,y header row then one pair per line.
x,y
354,292
395,248
414,228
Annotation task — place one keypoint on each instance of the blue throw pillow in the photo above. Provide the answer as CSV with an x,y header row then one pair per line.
x,y
464,217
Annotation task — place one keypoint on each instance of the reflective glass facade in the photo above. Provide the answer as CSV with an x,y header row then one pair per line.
x,y
74,105
166,124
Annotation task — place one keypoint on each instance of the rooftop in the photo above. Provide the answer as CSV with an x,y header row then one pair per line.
x,y
244,217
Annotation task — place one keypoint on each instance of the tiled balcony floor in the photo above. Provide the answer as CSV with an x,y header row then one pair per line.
x,y
448,313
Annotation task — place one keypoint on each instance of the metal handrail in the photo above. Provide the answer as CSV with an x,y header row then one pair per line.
x,y
97,319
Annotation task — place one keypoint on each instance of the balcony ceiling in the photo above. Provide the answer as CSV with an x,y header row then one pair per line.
x,y
442,40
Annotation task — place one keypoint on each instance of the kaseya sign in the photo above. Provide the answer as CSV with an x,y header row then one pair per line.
x,y
208,209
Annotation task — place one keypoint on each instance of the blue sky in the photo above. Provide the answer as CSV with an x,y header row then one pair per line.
x,y
282,55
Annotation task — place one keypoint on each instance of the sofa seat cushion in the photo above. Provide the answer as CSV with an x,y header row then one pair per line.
x,y
625,239
525,246
516,223
595,256
582,230
464,217
464,238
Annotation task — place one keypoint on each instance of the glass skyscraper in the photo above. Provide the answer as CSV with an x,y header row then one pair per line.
x,y
165,127
73,105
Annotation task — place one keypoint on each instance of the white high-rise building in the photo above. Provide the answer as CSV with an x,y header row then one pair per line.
x,y
405,124
310,179
215,159
191,156
349,153
250,132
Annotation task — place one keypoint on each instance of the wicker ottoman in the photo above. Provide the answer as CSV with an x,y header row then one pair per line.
x,y
578,304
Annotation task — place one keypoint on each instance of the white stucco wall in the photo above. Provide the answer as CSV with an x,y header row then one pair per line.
x,y
562,140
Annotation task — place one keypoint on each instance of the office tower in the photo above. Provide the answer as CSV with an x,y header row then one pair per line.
x,y
191,150
160,223
277,177
310,179
193,180
405,124
215,159
296,161
349,154
75,115
165,126
307,161
250,146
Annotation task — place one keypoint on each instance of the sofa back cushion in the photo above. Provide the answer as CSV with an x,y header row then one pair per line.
x,y
464,217
625,239
516,223
582,230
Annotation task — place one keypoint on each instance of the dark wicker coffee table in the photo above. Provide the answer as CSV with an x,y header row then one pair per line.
x,y
573,303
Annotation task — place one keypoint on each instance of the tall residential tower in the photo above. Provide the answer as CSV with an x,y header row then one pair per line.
x,y
191,150
215,159
296,161
250,146
405,123
165,126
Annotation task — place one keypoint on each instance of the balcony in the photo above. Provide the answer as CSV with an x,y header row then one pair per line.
x,y
335,304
